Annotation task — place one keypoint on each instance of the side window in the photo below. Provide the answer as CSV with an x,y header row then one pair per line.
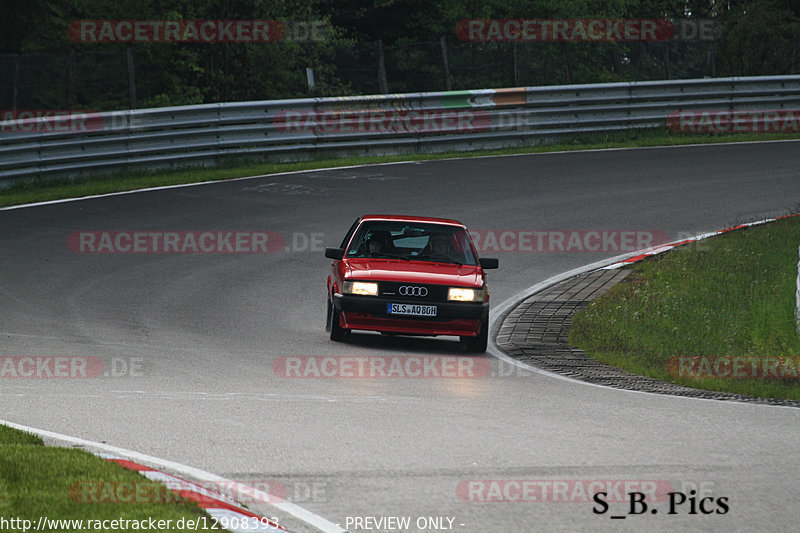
x,y
350,233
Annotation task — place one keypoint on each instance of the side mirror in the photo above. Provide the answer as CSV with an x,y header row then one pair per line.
x,y
489,262
336,253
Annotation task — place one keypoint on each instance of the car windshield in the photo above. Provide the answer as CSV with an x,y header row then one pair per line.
x,y
412,241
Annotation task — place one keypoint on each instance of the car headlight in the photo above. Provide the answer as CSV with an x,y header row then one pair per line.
x,y
459,294
361,288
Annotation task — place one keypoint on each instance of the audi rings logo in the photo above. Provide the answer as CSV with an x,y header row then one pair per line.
x,y
410,290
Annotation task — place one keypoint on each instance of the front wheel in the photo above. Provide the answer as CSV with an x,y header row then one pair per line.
x,y
479,343
329,307
337,332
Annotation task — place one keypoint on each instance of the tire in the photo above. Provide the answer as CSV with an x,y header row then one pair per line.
x,y
337,332
329,307
479,343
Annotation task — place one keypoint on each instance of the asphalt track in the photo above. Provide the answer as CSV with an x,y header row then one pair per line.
x,y
204,330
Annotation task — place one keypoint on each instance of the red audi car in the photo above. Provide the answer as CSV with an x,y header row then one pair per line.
x,y
411,276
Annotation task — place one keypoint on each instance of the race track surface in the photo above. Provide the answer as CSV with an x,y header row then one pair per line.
x,y
200,336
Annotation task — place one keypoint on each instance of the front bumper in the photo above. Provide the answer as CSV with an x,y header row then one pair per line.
x,y
369,313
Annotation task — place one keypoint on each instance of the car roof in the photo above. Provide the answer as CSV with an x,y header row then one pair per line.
x,y
409,218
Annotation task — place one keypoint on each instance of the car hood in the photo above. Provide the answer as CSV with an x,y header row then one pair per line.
x,y
414,272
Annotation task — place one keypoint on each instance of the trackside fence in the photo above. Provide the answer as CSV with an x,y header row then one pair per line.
x,y
285,130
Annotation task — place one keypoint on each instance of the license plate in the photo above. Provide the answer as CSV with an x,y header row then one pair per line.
x,y
411,309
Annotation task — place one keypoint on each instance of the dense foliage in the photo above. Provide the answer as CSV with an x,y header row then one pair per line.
x,y
42,68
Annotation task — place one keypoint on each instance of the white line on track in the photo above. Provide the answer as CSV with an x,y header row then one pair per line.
x,y
287,507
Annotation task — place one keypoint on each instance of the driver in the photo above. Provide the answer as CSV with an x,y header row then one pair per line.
x,y
379,242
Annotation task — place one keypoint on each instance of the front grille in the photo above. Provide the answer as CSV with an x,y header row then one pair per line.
x,y
436,293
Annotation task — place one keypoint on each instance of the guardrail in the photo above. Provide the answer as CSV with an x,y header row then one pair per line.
x,y
383,124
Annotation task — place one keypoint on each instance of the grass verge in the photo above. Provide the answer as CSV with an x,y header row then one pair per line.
x,y
702,305
39,190
61,484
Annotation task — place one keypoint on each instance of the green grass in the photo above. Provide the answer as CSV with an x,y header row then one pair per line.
x,y
731,295
42,481
38,190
